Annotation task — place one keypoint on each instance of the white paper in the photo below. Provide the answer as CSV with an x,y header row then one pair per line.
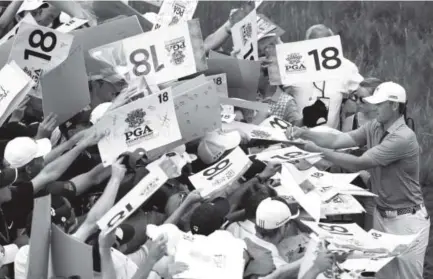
x,y
72,24
222,173
36,56
28,18
264,27
13,85
133,200
288,154
244,35
297,60
220,81
148,123
342,204
257,132
175,11
309,201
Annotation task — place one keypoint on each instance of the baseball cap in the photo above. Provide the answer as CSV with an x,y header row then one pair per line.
x,y
22,150
387,91
99,111
212,146
273,213
209,217
30,5
8,176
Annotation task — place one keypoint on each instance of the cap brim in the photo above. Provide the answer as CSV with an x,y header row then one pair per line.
x,y
231,139
374,100
44,147
30,6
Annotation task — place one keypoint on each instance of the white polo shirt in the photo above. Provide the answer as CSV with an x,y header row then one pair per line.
x,y
306,94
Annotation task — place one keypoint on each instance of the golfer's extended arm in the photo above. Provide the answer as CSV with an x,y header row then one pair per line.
x,y
328,140
102,206
9,15
216,39
55,169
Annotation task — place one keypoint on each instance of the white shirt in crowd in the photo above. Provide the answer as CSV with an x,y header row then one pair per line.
x,y
125,267
306,94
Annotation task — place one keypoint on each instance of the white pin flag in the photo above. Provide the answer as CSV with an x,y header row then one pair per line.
x,y
39,49
161,55
72,24
244,35
221,174
307,61
148,123
28,18
309,201
175,11
14,86
133,200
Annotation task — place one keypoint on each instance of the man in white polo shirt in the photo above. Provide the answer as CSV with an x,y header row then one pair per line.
x,y
313,97
393,162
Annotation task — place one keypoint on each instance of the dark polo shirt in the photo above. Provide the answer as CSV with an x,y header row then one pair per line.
x,y
396,179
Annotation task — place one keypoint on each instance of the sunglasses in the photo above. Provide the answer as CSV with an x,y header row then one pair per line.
x,y
355,98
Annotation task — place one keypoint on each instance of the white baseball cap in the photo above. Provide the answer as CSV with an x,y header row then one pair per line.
x,y
30,5
22,150
387,91
214,144
99,111
273,213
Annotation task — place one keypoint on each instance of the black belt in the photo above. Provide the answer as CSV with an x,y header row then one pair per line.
x,y
400,211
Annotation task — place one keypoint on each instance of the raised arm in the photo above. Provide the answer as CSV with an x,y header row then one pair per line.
x,y
55,169
216,39
104,203
8,16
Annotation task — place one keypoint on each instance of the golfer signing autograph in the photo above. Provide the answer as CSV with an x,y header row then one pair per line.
x,y
392,159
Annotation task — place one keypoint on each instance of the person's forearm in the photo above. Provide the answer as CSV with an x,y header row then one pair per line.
x,y
145,269
107,265
344,160
234,195
286,271
95,176
58,151
9,14
326,140
216,39
311,274
104,203
55,169
175,217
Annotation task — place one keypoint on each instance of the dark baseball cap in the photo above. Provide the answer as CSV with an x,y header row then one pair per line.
x,y
8,176
61,211
209,216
